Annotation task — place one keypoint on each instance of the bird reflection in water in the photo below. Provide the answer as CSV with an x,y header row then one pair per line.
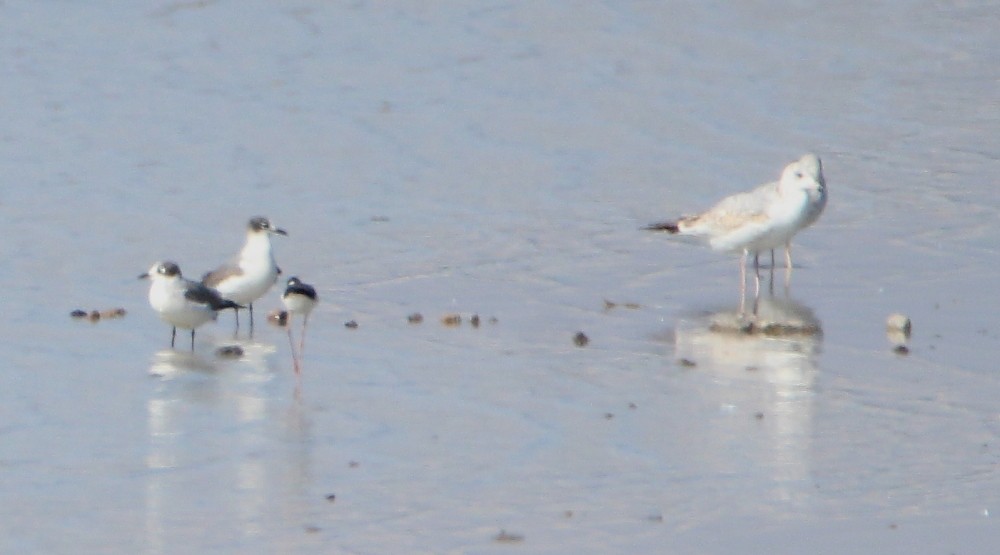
x,y
761,369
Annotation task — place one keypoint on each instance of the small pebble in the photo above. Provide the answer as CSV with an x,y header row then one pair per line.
x,y
609,415
474,320
94,315
113,313
899,323
78,313
901,350
610,305
507,537
451,319
312,529
331,497
687,363
493,320
278,317
759,416
580,339
351,325
415,318
229,351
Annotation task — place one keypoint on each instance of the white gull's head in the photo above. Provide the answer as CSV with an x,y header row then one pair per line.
x,y
805,174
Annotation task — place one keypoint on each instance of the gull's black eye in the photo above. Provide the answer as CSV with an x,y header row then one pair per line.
x,y
798,175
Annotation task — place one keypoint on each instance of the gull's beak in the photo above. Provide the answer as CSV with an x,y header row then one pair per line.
x,y
144,276
279,231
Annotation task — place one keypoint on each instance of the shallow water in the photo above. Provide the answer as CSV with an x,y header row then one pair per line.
x,y
498,159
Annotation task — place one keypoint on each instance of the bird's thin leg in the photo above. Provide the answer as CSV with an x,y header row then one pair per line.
x,y
291,345
173,336
250,307
743,280
236,314
192,340
756,275
770,276
302,338
788,265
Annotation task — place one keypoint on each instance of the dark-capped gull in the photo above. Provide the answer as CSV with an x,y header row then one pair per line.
x,y
252,272
181,302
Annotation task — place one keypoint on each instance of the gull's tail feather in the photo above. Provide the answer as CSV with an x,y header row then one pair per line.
x,y
663,226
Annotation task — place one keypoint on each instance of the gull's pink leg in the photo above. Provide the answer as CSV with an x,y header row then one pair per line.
x,y
743,281
756,274
788,265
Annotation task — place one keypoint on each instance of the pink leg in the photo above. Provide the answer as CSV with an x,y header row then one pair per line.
x,y
756,275
291,345
788,265
302,338
743,281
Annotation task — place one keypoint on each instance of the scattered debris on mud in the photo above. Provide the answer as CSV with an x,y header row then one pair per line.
x,y
229,351
98,315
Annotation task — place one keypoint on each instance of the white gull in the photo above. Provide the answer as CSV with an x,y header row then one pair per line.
x,y
761,219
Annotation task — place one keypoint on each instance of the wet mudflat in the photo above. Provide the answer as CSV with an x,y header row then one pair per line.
x,y
498,162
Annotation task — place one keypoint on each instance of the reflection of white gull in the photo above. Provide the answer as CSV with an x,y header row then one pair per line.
x,y
180,302
781,346
768,371
764,218
179,436
169,363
